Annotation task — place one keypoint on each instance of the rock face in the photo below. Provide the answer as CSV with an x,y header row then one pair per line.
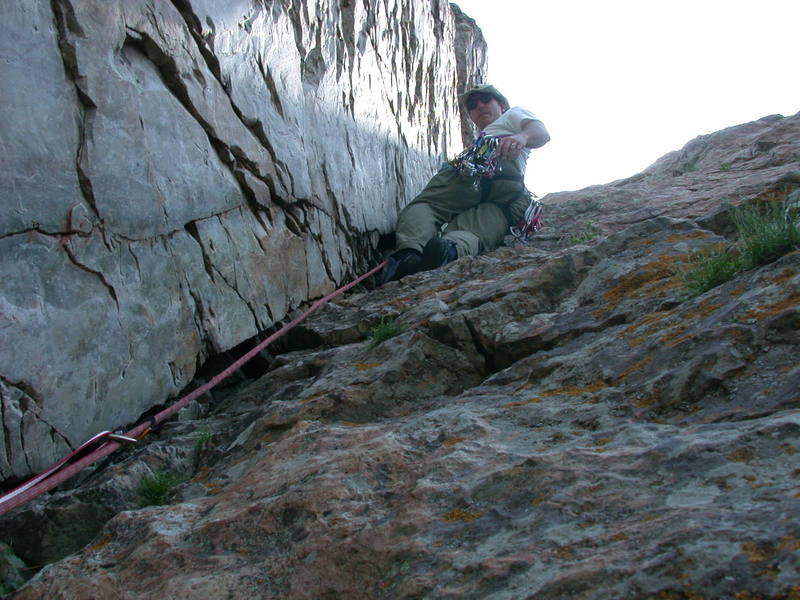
x,y
177,176
730,165
554,421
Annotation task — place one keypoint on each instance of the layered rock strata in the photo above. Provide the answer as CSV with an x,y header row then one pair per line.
x,y
178,175
549,422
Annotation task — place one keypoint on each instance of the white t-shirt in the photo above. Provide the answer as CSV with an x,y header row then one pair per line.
x,y
510,123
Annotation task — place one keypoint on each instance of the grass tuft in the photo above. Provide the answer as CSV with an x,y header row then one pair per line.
x,y
709,268
386,328
766,231
589,232
204,439
155,488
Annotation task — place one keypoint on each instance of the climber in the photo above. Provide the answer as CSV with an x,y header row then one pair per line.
x,y
473,200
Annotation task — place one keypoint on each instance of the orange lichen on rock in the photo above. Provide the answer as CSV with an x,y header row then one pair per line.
x,y
459,514
692,235
743,454
676,336
644,401
637,366
784,276
452,441
678,595
367,366
533,400
773,309
704,309
576,391
648,319
790,543
641,282
213,488
565,553
202,474
757,552
101,543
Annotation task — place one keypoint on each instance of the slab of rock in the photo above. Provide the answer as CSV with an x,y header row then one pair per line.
x,y
178,176
728,166
547,424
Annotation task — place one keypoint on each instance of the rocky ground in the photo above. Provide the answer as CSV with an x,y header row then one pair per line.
x,y
555,421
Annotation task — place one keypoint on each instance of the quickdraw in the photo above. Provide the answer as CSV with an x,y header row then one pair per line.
x,y
479,160
531,221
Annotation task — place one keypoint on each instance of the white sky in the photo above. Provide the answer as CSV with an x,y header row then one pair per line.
x,y
620,83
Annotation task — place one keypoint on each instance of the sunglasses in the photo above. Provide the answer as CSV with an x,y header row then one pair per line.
x,y
483,98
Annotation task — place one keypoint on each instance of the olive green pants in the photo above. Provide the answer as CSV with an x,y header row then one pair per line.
x,y
476,218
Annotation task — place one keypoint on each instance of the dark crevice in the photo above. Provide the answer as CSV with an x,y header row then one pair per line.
x,y
215,274
293,223
266,74
491,363
204,45
340,212
30,403
253,204
200,316
5,428
191,229
25,388
166,66
114,235
57,234
99,274
67,25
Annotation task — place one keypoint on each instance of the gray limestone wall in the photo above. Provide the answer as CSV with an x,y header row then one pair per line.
x,y
176,176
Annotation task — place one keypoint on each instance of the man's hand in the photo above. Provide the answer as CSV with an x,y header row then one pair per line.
x,y
533,135
510,146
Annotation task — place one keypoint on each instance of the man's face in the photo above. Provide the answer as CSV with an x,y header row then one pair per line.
x,y
483,109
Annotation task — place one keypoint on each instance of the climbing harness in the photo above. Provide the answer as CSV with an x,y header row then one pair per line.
x,y
480,161
106,443
531,221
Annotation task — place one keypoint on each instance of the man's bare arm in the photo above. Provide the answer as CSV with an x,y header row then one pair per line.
x,y
533,135
536,133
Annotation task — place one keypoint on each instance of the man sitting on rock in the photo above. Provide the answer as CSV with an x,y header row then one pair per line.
x,y
474,200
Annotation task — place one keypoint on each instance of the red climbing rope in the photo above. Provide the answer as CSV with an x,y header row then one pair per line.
x,y
110,442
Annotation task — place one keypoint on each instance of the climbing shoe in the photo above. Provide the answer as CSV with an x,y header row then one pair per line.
x,y
401,263
437,253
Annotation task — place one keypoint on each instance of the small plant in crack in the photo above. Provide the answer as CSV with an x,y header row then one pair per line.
x,y
156,488
766,231
204,439
709,268
385,329
589,232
